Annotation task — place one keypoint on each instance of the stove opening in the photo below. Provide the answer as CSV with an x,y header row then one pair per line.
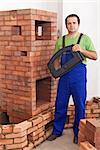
x,y
43,91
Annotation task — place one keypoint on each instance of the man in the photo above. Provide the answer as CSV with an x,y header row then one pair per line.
x,y
74,82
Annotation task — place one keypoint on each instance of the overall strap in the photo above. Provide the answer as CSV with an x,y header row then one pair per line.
x,y
79,39
63,40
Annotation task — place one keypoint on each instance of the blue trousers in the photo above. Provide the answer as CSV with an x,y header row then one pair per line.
x,y
72,83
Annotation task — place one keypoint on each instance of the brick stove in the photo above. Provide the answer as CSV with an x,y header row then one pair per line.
x,y
27,40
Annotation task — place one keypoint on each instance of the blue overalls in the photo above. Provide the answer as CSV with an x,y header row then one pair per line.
x,y
72,83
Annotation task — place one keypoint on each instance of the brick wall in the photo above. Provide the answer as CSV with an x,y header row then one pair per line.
x,y
30,133
27,40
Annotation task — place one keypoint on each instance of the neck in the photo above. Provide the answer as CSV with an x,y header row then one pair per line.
x,y
72,34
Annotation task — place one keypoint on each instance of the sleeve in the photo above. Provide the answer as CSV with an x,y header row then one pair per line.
x,y
89,43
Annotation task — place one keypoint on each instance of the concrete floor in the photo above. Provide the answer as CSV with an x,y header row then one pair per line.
x,y
64,142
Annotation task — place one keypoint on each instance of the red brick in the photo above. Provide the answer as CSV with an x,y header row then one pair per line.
x,y
16,146
6,141
7,129
16,135
23,126
37,121
86,146
20,140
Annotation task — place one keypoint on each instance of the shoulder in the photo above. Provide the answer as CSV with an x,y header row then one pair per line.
x,y
86,37
87,42
59,41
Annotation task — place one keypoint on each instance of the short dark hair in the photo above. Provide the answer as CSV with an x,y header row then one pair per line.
x,y
72,15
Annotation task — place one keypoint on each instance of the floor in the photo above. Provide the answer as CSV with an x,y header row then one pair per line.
x,y
64,142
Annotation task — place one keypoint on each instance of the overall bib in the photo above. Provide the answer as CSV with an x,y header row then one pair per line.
x,y
71,83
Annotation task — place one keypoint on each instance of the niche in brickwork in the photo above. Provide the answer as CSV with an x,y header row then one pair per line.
x,y
23,53
42,30
16,30
43,91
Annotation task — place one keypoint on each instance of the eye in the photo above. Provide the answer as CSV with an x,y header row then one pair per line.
x,y
69,23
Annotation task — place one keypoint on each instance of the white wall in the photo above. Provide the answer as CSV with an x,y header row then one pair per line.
x,y
49,5
20,4
88,13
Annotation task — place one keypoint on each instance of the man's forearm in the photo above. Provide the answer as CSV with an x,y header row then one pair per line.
x,y
89,54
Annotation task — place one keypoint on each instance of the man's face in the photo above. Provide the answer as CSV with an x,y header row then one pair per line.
x,y
72,24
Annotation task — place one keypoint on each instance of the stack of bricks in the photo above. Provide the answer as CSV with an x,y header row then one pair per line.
x,y
93,132
89,134
70,117
92,111
27,41
82,130
93,108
